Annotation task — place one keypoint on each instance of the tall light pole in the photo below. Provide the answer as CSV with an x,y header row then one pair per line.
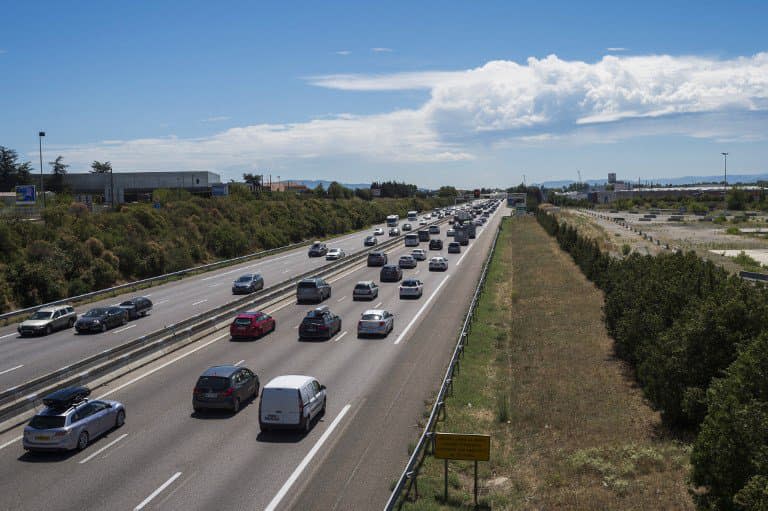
x,y
725,183
40,136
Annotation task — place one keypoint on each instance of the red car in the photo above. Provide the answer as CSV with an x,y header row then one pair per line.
x,y
251,324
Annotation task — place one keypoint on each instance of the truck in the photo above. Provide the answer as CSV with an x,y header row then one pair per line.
x,y
462,216
470,228
392,220
413,216
461,236
423,235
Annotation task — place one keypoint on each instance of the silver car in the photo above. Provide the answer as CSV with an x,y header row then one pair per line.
x,y
70,421
48,319
375,322
334,254
438,264
419,254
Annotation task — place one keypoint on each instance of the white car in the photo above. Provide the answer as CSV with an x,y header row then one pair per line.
x,y
378,231
375,322
291,402
411,288
419,254
438,263
451,233
422,222
334,254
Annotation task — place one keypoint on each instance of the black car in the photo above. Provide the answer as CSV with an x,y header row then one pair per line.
x,y
319,323
226,386
454,248
407,227
248,283
137,307
100,319
435,244
377,259
370,241
391,273
318,249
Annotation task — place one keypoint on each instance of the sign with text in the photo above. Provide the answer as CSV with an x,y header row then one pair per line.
x,y
26,194
219,189
456,446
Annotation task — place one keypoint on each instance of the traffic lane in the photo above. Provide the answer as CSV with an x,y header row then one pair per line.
x,y
270,357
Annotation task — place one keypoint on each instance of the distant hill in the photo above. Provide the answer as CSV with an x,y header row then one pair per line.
x,y
674,181
310,183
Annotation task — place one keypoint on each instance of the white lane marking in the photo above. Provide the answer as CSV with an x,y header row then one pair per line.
x,y
162,366
161,301
12,369
214,285
148,295
201,301
11,442
341,299
416,272
157,492
338,337
123,329
311,454
8,335
377,305
286,271
422,309
283,306
297,326
238,363
110,444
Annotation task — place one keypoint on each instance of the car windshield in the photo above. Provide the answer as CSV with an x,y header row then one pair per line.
x,y
213,382
406,258
41,315
127,304
47,421
371,317
314,314
317,245
243,321
95,313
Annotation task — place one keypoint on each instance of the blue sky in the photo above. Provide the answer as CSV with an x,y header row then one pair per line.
x,y
462,93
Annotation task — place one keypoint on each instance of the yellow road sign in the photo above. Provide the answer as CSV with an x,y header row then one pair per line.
x,y
456,446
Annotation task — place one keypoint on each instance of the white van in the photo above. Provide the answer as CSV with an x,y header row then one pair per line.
x,y
412,239
291,402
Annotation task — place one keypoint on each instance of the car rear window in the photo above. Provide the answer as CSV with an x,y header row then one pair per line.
x,y
409,283
213,382
362,287
47,421
243,321
372,317
307,285
279,398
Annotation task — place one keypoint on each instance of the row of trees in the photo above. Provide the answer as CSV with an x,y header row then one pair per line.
x,y
698,341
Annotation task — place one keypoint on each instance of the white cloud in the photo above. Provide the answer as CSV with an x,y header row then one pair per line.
x,y
381,50
217,118
343,52
614,49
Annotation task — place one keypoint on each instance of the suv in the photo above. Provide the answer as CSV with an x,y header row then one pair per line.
x,y
318,249
48,319
225,386
434,229
366,289
394,231
248,283
137,307
312,289
390,273
319,323
419,254
370,241
436,244
454,248
377,259
423,235
406,261
407,227
69,421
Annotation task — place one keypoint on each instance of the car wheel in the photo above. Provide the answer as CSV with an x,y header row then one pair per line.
x,y
82,441
325,403
125,321
236,406
120,419
103,327
308,424
196,409
48,330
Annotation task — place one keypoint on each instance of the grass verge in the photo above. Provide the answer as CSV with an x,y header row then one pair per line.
x,y
569,428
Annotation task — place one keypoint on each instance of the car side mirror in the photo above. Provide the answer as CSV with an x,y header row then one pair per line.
x,y
322,387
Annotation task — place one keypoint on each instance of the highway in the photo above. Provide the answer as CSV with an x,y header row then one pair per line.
x,y
24,358
166,457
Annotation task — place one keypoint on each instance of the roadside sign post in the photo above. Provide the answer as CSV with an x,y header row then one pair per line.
x,y
458,446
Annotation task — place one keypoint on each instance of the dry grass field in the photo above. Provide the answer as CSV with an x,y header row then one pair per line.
x,y
569,428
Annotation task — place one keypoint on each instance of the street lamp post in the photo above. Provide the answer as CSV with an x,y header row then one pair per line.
x,y
725,183
40,136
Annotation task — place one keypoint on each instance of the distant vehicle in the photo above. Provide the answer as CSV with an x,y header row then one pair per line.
x,y
377,259
394,231
375,322
461,235
225,386
44,321
313,289
100,319
252,324
411,239
319,323
248,283
450,233
406,261
422,223
70,421
419,254
291,401
413,216
334,254
137,307
436,244
370,241
407,227
434,229
390,273
365,290
423,235
454,248
438,264
378,231
411,288
318,249
392,220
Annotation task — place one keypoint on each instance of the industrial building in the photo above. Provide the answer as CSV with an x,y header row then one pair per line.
x,y
136,186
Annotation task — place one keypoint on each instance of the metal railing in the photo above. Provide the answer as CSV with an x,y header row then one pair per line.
x,y
407,480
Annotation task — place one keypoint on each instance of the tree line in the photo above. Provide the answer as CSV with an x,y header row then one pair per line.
x,y
697,339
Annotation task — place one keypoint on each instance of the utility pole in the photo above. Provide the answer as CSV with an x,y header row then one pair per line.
x,y
40,136
725,183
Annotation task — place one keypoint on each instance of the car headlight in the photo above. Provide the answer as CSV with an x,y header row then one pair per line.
x,y
96,321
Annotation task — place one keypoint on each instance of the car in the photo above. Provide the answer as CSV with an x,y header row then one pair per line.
x,y
423,235
450,233
436,244
319,323
70,421
438,264
291,402
370,241
378,231
137,307
248,283
334,254
428,217
390,273
394,231
454,247
375,322
478,221
377,259
406,261
317,249
451,221
251,324
312,289
100,319
407,227
47,319
365,290
434,229
422,222
411,288
419,254
411,239
224,386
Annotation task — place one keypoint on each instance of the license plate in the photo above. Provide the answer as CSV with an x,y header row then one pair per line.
x,y
311,328
42,437
210,395
272,417
241,328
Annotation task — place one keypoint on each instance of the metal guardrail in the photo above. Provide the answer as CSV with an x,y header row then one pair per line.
x,y
426,440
